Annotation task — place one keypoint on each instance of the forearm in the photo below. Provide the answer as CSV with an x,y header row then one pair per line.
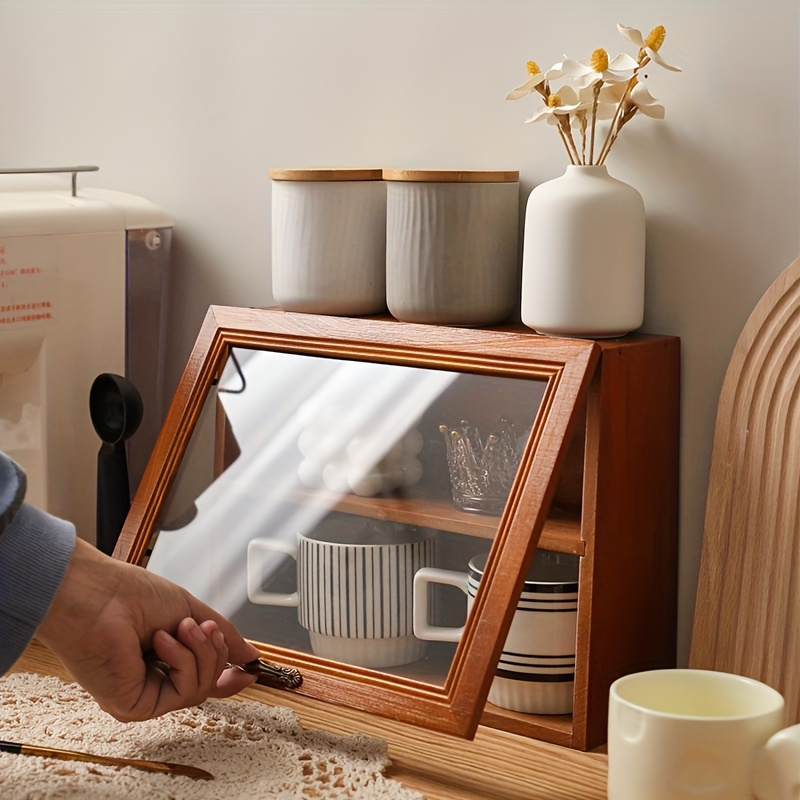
x,y
100,616
35,549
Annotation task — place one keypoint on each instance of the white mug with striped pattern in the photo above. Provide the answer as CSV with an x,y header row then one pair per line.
x,y
354,590
536,670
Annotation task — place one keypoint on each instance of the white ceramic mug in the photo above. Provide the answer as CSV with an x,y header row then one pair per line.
x,y
536,670
354,590
683,734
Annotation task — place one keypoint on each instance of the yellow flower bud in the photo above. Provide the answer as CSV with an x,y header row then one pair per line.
x,y
599,60
553,101
656,37
533,68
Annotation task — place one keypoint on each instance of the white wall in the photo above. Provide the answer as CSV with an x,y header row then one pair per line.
x,y
189,103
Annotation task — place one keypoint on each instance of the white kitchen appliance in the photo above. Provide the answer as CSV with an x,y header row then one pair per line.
x,y
84,277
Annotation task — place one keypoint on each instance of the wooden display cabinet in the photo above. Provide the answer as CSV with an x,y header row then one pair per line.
x,y
597,432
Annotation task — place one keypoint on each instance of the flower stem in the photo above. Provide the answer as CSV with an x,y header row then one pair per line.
x,y
566,144
565,129
596,94
616,124
584,124
625,118
614,129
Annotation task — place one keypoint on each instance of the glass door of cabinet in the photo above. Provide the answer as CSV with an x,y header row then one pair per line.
x,y
312,468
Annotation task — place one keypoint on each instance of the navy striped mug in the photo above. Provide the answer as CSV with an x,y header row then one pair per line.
x,y
355,589
536,670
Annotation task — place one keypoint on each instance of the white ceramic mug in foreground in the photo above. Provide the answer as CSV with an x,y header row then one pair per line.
x,y
683,734
536,670
354,590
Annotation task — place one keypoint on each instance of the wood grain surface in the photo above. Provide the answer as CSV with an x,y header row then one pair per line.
x,y
451,175
495,766
748,600
316,174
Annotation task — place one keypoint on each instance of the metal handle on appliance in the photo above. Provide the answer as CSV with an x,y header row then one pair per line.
x,y
35,170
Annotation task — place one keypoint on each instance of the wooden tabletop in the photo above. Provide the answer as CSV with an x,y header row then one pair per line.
x,y
496,765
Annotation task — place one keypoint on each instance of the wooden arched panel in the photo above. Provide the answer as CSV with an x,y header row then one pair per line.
x,y
747,615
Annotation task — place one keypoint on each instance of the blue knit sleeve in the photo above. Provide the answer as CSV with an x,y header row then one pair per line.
x,y
35,549
12,489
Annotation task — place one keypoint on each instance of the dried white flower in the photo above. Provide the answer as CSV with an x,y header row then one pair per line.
x,y
596,89
649,46
599,69
562,103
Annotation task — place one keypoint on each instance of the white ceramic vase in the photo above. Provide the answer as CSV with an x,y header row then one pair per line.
x,y
584,256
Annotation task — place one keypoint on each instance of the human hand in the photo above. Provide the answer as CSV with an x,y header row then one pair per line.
x,y
108,614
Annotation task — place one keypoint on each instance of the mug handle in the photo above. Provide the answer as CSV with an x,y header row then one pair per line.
x,y
256,550
422,579
776,773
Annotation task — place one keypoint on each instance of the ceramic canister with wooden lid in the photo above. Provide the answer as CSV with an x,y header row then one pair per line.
x,y
452,254
329,240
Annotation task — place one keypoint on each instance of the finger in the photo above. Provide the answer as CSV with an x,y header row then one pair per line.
x,y
196,657
180,681
240,651
159,693
188,654
192,660
201,671
227,682
232,681
214,635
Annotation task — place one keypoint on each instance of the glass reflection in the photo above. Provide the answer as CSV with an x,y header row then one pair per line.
x,y
313,489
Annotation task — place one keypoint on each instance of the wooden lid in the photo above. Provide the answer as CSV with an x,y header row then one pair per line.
x,y
452,175
326,174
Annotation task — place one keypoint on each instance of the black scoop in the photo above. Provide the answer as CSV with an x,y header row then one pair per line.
x,y
116,409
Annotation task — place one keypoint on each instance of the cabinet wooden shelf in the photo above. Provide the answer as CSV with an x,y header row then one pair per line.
x,y
561,532
597,478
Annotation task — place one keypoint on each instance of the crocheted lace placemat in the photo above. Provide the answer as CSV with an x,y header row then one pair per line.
x,y
254,751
